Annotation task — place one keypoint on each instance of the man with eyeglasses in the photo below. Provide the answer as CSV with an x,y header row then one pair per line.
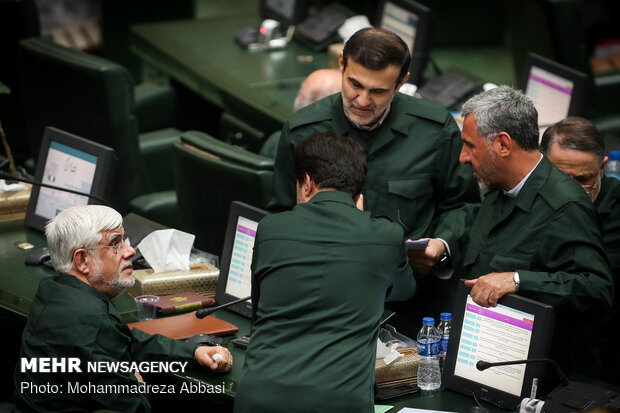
x,y
575,146
72,316
537,234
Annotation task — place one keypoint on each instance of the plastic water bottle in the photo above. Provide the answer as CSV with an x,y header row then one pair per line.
x,y
429,374
445,325
613,165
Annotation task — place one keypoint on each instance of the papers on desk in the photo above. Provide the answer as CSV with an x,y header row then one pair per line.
x,y
412,410
381,408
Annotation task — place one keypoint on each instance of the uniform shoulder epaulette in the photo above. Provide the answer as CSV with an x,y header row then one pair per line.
x,y
316,112
425,109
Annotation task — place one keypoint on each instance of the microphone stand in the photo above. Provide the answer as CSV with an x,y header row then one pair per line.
x,y
203,312
9,177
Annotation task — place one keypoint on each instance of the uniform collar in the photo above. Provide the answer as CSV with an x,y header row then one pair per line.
x,y
72,281
396,120
530,188
332,196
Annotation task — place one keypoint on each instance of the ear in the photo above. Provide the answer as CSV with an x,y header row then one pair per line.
x,y
359,201
80,261
503,144
308,187
602,171
341,63
403,81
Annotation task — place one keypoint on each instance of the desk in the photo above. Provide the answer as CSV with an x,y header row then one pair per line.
x,y
203,56
445,400
19,283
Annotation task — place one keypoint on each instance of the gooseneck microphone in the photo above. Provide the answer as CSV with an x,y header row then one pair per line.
x,y
483,365
203,312
9,177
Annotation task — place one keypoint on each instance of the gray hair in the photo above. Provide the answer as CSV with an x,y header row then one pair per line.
x,y
78,227
504,109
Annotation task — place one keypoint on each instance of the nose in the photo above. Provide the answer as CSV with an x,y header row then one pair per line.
x,y
464,157
363,99
128,251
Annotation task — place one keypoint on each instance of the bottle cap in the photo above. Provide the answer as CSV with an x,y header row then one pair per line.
x,y
614,155
446,316
428,321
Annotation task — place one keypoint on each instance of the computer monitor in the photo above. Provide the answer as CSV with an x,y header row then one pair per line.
x,y
412,22
235,279
556,90
286,12
68,161
517,329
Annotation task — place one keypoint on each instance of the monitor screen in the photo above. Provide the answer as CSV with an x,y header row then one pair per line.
x,y
556,90
68,161
235,279
412,22
517,329
286,12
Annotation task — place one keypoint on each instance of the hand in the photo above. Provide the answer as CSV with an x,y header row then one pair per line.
x,y
204,357
424,260
488,289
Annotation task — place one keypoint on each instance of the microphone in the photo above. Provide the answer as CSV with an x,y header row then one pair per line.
x,y
203,312
483,365
9,177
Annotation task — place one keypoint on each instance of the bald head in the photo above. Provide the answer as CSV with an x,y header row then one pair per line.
x,y
318,84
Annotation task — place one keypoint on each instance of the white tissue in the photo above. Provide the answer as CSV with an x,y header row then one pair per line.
x,y
387,354
167,249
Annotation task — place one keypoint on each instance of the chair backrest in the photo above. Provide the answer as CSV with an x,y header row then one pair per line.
x,y
19,19
87,96
210,175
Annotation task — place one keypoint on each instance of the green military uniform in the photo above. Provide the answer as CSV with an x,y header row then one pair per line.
x,y
69,318
414,177
551,234
321,274
608,206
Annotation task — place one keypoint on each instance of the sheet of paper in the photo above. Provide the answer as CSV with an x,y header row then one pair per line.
x,y
379,408
412,410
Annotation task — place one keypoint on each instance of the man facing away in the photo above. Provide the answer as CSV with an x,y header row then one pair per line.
x,y
575,146
72,315
412,147
321,275
537,233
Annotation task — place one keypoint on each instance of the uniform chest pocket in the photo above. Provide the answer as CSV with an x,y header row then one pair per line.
x,y
413,203
503,263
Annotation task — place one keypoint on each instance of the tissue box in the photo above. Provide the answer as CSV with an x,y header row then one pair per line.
x,y
200,278
401,370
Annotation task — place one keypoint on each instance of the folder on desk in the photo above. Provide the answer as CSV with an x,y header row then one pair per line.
x,y
185,325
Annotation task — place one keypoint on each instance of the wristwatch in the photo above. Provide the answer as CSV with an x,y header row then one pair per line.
x,y
442,261
516,279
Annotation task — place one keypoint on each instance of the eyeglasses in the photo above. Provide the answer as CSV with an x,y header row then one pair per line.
x,y
118,245
590,188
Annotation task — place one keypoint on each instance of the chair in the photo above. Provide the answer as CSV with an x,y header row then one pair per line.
x,y
19,19
210,175
94,98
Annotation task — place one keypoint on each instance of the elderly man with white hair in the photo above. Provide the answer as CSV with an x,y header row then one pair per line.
x,y
72,316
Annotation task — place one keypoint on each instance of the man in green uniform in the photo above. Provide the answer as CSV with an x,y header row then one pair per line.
x,y
72,316
575,146
412,148
321,275
537,233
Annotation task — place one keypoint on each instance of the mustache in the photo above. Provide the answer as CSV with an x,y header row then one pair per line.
x,y
367,107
